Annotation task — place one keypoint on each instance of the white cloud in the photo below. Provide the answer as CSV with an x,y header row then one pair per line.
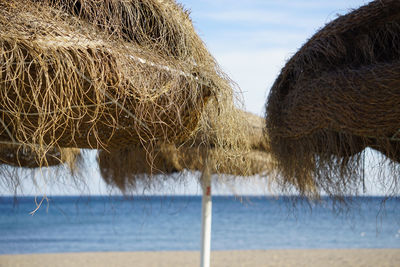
x,y
288,4
264,17
245,41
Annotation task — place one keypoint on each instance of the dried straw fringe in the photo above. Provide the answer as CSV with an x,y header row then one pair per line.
x,y
20,156
109,74
130,169
83,88
337,95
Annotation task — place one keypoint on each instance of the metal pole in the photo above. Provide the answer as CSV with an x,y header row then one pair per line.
x,y
206,218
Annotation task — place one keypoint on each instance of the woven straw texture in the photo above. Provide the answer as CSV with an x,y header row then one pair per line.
x,y
339,94
101,74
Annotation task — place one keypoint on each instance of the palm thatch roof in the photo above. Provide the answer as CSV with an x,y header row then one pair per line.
x,y
105,75
102,74
337,95
129,167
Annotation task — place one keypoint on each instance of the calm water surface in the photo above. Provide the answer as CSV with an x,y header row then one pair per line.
x,y
77,224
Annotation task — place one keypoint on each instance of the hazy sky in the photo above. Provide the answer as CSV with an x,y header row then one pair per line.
x,y
251,40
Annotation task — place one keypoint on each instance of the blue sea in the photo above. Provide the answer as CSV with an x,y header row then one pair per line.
x,y
152,223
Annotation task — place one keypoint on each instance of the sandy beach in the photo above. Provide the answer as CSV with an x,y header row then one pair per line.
x,y
337,257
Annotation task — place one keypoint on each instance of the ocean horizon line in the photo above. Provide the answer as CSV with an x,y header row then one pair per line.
x,y
323,197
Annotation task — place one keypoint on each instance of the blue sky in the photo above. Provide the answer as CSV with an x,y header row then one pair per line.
x,y
251,40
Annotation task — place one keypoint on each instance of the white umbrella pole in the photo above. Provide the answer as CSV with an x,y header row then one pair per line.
x,y
206,219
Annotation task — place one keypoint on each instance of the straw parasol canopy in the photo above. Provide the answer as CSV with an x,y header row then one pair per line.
x,y
130,167
102,74
109,75
337,95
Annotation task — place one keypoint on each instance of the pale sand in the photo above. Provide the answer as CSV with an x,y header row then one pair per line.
x,y
357,257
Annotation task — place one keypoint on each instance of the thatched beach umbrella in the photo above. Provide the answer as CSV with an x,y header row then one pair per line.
x,y
101,74
194,156
109,75
339,94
